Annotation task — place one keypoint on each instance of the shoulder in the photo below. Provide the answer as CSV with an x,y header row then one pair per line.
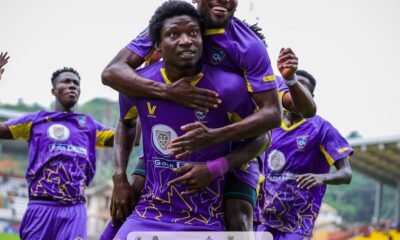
x,y
151,70
244,34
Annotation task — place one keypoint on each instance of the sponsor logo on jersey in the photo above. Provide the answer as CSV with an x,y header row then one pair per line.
x,y
161,136
217,55
58,132
276,160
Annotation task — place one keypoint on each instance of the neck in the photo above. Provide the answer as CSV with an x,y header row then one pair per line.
x,y
60,108
292,118
176,73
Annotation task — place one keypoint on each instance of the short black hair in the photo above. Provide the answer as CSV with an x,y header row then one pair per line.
x,y
257,30
307,75
169,9
62,70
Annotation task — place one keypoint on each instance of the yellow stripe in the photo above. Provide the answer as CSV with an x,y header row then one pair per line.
x,y
22,130
269,78
234,117
261,179
132,113
147,58
284,127
215,31
342,150
328,157
103,136
193,83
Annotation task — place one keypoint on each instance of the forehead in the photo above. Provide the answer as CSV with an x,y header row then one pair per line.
x,y
183,20
67,75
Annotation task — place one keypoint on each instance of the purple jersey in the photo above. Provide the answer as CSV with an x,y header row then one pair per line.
x,y
235,48
309,146
161,121
62,156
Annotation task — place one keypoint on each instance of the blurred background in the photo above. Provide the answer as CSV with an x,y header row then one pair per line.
x,y
350,46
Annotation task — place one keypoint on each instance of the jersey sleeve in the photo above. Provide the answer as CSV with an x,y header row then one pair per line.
x,y
332,144
103,133
142,45
257,68
20,127
127,107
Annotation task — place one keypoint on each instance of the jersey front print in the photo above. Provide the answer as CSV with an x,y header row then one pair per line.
x,y
62,153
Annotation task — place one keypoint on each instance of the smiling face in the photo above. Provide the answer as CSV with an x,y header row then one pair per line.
x,y
66,89
181,43
217,13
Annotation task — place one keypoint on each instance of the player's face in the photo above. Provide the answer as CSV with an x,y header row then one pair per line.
x,y
181,43
67,89
218,13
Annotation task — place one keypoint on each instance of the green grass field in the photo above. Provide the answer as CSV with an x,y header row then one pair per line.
x,y
5,236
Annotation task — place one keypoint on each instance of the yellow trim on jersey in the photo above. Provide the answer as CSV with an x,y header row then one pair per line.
x,y
269,78
328,157
261,179
132,113
214,31
249,87
193,83
286,128
103,136
233,117
22,130
147,58
342,150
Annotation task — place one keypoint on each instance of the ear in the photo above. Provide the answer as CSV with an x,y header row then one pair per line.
x,y
53,92
157,47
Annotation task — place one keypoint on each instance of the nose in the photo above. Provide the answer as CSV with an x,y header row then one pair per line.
x,y
185,40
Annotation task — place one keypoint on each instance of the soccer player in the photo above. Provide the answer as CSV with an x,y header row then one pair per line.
x,y
62,161
3,61
175,29
297,170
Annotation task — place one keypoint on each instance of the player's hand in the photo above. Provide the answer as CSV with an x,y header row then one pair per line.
x,y
197,136
309,180
287,63
3,61
123,199
182,92
194,177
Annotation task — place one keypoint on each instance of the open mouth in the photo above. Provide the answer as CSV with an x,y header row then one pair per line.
x,y
220,9
186,54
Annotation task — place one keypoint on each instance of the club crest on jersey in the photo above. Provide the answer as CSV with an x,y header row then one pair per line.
x,y
82,121
161,136
217,55
276,160
58,132
200,115
301,142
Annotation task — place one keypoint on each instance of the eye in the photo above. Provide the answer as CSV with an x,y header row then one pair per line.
x,y
194,33
173,35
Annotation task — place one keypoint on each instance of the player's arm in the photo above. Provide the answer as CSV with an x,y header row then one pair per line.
x,y
120,75
5,132
298,99
3,61
198,136
198,176
123,200
342,175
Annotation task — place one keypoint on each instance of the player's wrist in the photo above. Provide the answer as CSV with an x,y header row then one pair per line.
x,y
291,82
217,167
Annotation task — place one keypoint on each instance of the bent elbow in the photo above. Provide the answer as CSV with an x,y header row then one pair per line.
x,y
348,176
106,77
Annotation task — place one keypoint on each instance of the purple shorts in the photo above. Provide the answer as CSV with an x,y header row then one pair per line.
x,y
110,231
53,220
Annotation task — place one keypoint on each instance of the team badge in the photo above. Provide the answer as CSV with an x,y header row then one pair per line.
x,y
200,115
217,55
58,132
276,160
161,136
82,121
301,142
